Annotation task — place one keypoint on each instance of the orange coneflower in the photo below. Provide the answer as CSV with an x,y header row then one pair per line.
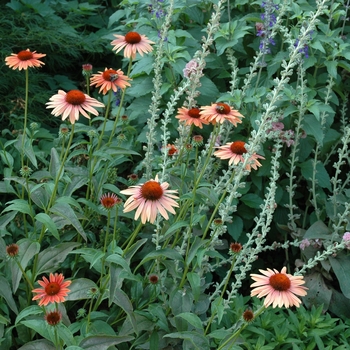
x,y
280,288
24,59
219,112
110,79
132,42
191,116
149,199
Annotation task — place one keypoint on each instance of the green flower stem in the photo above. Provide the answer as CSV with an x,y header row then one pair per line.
x,y
217,207
238,332
131,239
120,106
105,247
24,274
25,117
182,150
115,227
222,294
108,107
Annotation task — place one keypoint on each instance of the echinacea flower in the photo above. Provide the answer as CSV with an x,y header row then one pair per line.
x,y
73,103
234,152
219,112
191,116
172,150
109,200
110,79
149,199
53,318
12,250
280,288
132,42
24,59
53,290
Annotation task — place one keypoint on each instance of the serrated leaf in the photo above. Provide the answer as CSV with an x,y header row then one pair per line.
x,y
51,258
48,222
65,211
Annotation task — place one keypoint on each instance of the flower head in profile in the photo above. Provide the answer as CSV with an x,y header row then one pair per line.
x,y
149,199
110,79
53,318
219,112
12,250
191,117
234,152
132,42
54,289
280,288
73,103
109,200
24,59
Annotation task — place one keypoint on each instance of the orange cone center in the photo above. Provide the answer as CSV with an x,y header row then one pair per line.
x,y
237,147
75,97
194,113
151,190
52,288
222,108
133,38
25,55
110,75
280,282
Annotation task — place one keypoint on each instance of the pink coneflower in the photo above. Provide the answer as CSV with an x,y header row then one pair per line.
x,y
110,79
280,288
191,116
149,199
72,104
132,42
109,200
24,59
54,290
53,318
219,112
234,152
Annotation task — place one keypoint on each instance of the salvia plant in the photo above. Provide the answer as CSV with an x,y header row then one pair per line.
x,y
190,190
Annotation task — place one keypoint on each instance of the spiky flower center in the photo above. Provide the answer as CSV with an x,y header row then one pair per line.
x,y
223,108
75,97
194,112
151,190
110,75
248,315
109,200
53,318
235,247
52,288
237,147
280,282
12,249
133,38
25,55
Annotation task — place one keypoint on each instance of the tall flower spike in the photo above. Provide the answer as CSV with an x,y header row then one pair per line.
x,y
72,104
24,59
149,199
234,152
219,112
110,79
280,288
132,42
53,290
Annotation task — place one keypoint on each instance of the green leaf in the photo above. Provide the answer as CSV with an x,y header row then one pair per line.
x,y
6,293
331,68
192,319
28,311
27,149
41,344
198,243
5,219
252,200
197,340
48,222
102,342
28,250
318,230
51,258
55,164
6,158
123,301
321,176
20,205
313,127
119,260
79,289
341,268
65,211
195,282
161,253
38,325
